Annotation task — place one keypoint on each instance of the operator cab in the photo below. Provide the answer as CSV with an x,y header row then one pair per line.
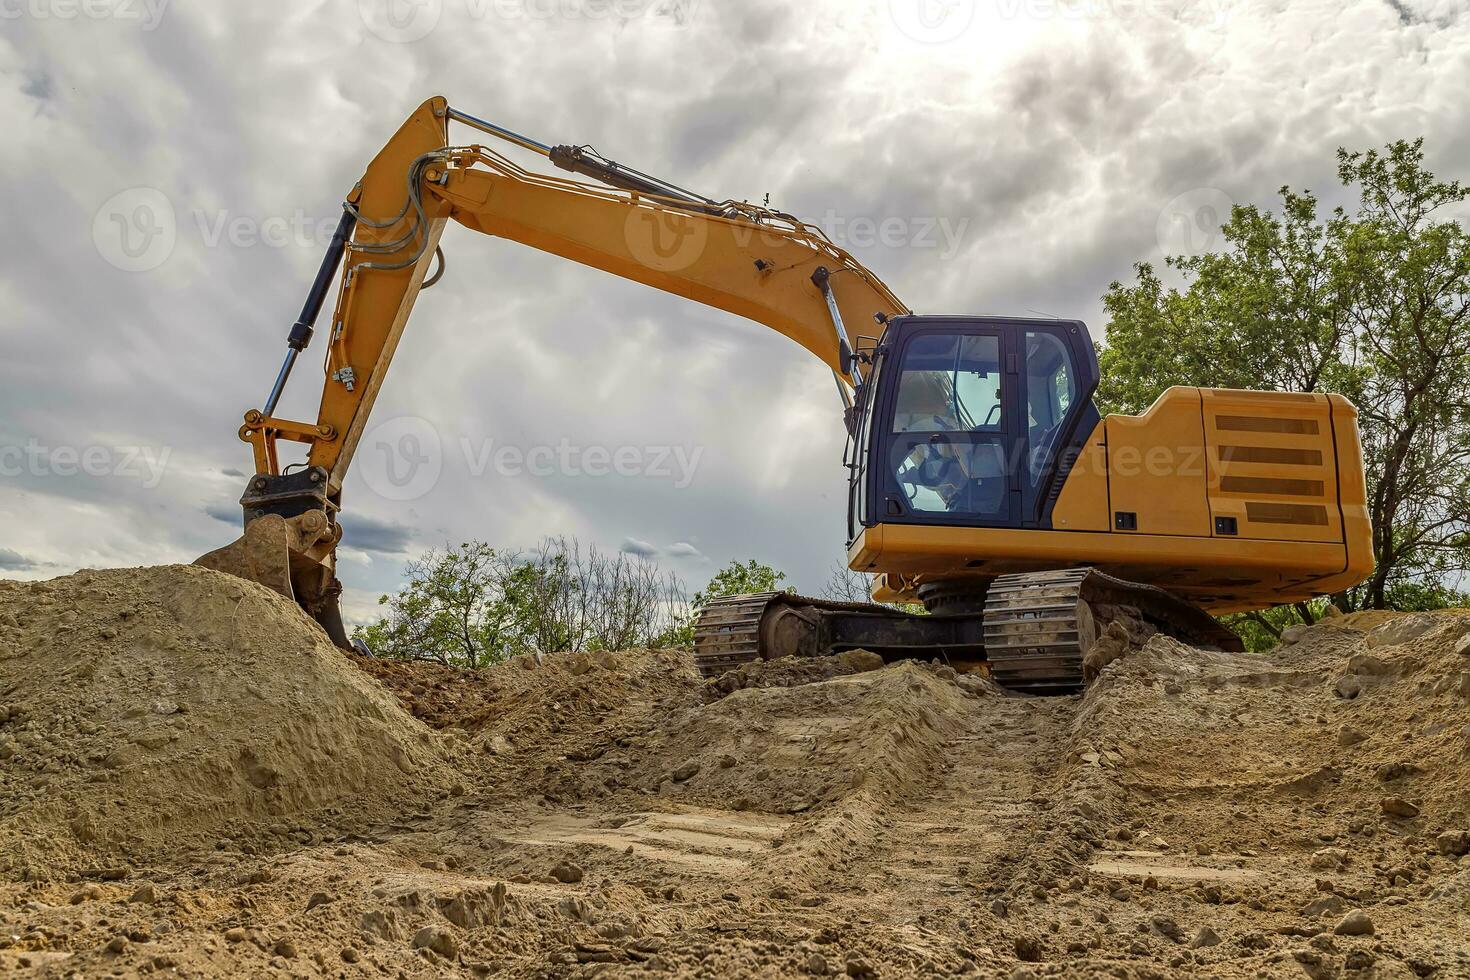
x,y
970,421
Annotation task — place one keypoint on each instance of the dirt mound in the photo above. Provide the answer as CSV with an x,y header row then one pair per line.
x,y
145,711
1299,812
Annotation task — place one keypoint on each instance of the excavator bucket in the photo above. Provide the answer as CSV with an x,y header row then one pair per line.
x,y
295,556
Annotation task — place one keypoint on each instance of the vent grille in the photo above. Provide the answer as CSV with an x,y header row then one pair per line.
x,y
1271,485
1270,454
1301,514
1248,423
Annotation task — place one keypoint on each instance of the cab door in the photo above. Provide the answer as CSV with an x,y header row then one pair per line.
x,y
947,437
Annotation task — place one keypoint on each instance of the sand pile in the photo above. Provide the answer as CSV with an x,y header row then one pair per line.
x,y
1297,813
146,711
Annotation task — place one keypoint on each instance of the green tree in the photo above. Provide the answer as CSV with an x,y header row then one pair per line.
x,y
734,579
453,610
1375,305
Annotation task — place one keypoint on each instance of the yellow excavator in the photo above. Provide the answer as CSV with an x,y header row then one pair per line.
x,y
984,484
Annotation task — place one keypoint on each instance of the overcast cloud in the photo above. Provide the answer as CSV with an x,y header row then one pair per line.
x,y
982,156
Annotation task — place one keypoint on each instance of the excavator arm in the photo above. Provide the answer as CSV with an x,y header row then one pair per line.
x,y
745,259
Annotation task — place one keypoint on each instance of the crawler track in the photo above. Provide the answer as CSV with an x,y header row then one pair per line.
x,y
1037,627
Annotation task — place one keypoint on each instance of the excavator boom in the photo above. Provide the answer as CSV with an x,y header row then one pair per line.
x,y
746,259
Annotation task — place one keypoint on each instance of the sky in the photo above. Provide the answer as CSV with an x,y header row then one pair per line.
x,y
174,168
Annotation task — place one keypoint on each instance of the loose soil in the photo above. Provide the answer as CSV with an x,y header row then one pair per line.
x,y
193,781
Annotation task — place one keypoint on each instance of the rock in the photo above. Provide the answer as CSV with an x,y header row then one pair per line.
x,y
1114,643
1463,647
285,948
567,873
1293,634
117,944
1331,612
382,923
1167,927
1204,939
1397,806
350,955
1390,771
1453,843
1355,923
235,935
727,762
1029,949
1348,736
859,968
440,941
144,895
860,660
1401,629
1328,859
86,894
686,772
816,964
1326,905
499,745
318,898
1348,687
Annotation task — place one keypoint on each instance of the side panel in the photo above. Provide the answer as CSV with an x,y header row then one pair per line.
x,y
1352,489
1272,464
1083,504
1156,466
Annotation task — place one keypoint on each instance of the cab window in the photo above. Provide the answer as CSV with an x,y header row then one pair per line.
x,y
1051,388
950,383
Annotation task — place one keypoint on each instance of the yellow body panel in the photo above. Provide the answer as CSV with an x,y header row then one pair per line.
x,y
1287,467
1156,466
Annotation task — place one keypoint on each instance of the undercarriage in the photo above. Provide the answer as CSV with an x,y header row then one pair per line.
x,y
1034,632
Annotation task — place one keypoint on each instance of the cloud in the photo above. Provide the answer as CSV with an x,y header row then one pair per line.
x,y
370,534
632,546
12,561
683,549
229,513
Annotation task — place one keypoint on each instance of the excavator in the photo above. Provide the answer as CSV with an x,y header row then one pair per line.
x,y
984,485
